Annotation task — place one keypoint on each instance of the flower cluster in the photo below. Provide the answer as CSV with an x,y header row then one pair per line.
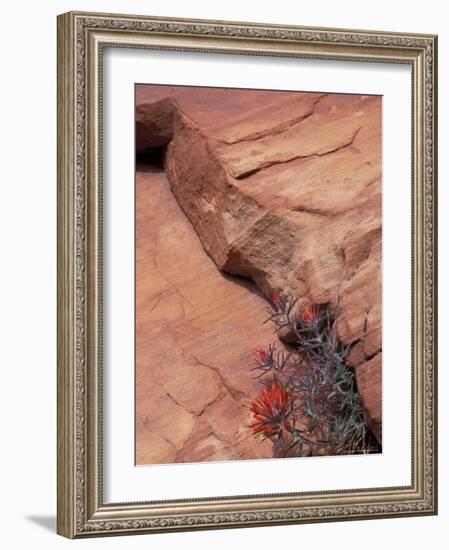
x,y
309,314
309,399
272,412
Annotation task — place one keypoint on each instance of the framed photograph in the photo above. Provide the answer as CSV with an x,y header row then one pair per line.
x,y
246,274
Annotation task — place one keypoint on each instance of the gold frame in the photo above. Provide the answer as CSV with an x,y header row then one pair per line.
x,y
81,38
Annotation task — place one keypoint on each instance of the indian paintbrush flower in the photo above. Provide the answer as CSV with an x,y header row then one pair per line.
x,y
309,314
309,404
276,297
272,412
260,355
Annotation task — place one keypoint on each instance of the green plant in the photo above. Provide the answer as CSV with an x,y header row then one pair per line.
x,y
310,404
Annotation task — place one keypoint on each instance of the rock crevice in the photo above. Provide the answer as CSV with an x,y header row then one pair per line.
x,y
284,189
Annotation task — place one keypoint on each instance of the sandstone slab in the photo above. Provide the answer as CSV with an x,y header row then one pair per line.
x,y
285,189
195,332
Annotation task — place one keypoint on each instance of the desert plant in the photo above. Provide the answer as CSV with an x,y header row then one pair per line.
x,y
309,404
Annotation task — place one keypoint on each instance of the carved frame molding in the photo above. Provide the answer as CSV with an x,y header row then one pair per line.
x,y
81,39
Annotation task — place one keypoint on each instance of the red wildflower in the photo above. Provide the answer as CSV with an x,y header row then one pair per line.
x,y
276,297
310,314
272,410
260,355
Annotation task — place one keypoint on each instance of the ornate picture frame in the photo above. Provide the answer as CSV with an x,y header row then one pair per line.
x,y
82,40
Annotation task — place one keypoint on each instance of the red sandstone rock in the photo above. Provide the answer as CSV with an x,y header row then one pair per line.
x,y
284,188
369,380
154,124
195,332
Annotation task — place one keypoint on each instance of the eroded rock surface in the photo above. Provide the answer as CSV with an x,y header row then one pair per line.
x,y
195,332
284,188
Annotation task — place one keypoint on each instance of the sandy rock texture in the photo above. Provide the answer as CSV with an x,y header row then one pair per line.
x,y
195,332
285,189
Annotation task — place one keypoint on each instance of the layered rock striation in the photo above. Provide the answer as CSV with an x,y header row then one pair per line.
x,y
285,189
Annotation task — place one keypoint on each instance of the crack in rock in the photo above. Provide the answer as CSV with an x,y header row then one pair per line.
x,y
244,174
235,393
285,127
